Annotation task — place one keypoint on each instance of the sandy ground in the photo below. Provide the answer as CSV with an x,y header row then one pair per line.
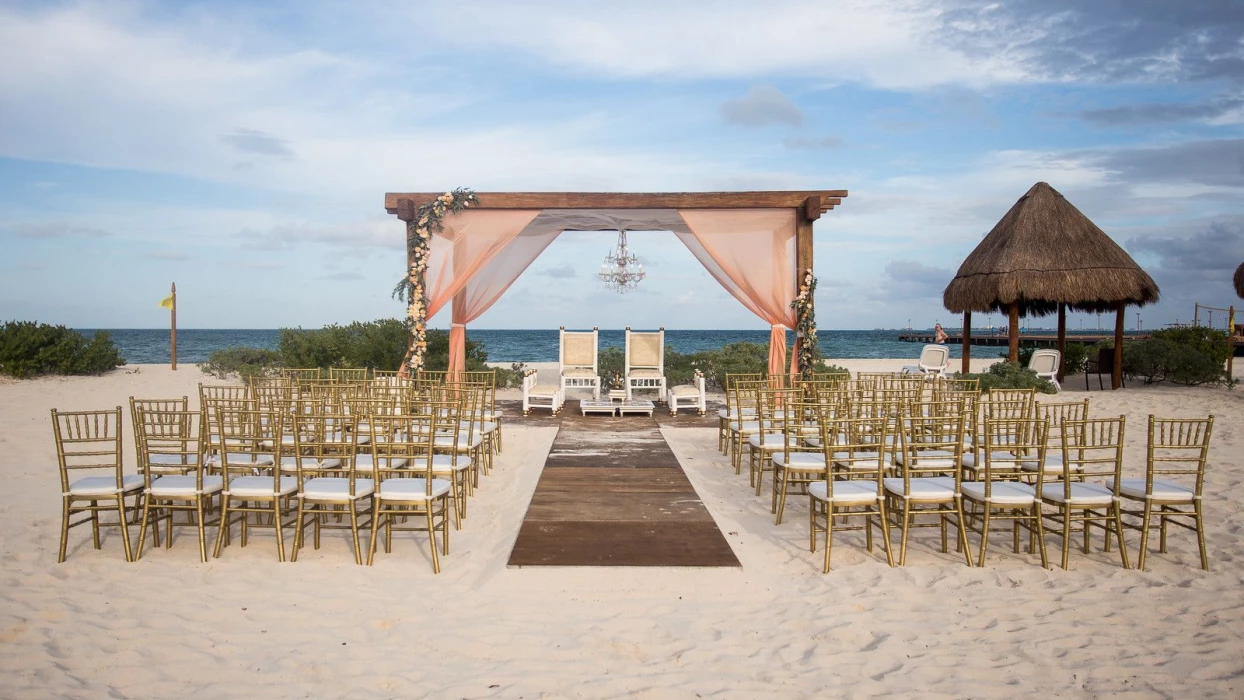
x,y
245,624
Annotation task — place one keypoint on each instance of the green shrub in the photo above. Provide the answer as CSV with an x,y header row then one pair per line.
x,y
376,345
735,358
29,348
1176,358
1009,375
244,362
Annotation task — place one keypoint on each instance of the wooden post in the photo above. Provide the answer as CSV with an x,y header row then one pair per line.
x,y
1013,354
172,340
803,254
967,342
1062,339
1230,342
1116,378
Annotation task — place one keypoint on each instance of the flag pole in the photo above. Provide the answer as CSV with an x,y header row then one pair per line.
x,y
173,328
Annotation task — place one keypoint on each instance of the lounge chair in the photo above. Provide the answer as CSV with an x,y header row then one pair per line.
x,y
540,395
934,361
1045,363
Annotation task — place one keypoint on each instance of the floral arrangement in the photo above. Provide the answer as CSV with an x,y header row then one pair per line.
x,y
428,219
805,325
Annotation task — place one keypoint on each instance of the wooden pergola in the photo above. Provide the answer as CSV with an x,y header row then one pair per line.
x,y
808,205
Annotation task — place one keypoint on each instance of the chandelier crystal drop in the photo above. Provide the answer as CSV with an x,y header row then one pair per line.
x,y
621,271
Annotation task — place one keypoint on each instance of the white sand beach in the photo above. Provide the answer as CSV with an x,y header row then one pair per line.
x,y
246,625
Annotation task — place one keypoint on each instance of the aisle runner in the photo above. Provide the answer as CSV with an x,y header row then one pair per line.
x,y
613,494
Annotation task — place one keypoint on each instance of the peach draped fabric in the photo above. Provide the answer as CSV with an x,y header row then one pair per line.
x,y
750,252
482,253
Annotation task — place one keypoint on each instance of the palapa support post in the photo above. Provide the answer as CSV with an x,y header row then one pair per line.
x,y
1062,339
172,332
1013,352
967,342
1230,342
1116,377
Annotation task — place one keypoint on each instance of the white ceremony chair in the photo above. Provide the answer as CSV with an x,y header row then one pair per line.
x,y
687,396
1045,363
578,361
645,362
934,362
540,395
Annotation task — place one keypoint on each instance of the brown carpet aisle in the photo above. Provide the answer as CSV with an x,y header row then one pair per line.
x,y
613,494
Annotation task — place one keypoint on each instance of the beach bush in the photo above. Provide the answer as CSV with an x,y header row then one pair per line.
x,y
1009,375
29,348
735,358
244,362
1075,357
377,344
1191,356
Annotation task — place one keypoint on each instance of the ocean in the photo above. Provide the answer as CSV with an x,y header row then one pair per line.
x,y
151,346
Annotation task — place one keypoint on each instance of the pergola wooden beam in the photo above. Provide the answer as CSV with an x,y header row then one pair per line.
x,y
813,203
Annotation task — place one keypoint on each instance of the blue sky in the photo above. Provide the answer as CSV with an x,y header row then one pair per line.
x,y
243,149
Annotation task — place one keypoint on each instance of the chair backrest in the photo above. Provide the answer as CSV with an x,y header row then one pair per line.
x,y
1178,447
858,445
932,446
182,404
401,446
936,357
326,444
88,441
645,350
1008,441
1092,450
229,392
1058,414
348,374
170,441
298,374
1044,362
578,349
247,438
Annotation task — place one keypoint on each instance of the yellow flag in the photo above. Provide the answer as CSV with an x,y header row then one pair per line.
x,y
167,303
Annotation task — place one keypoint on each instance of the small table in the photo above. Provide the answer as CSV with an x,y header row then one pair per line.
x,y
617,394
613,408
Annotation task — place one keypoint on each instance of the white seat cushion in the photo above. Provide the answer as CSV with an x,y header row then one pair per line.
x,y
290,463
448,441
171,460
1003,492
998,460
579,373
243,459
686,391
747,426
1082,494
184,486
336,488
1163,490
441,464
645,374
105,485
261,487
544,390
860,460
412,489
923,488
769,441
365,462
806,461
846,492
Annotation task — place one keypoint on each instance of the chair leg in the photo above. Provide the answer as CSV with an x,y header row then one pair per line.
x,y
963,535
885,533
198,506
1144,535
1040,527
1200,536
354,531
142,531
984,534
829,533
436,561
222,530
125,529
1118,532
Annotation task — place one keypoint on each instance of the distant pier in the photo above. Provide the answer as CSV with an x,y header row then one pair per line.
x,y
1040,340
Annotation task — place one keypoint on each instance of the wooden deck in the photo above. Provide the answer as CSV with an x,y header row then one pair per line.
x,y
613,494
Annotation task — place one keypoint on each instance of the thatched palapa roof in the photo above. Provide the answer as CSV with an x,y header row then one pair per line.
x,y
1045,252
1239,280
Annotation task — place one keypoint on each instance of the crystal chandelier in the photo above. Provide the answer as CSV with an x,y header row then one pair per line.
x,y
621,270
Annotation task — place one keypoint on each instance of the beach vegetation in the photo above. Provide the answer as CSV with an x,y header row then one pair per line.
x,y
244,362
1009,375
1075,357
680,368
1188,355
30,349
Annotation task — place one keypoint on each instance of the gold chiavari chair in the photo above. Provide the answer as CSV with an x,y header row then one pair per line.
x,y
272,393
230,392
458,433
747,404
406,487
927,483
731,413
770,436
1175,456
254,444
801,459
297,375
997,405
153,461
329,482
178,438
856,449
999,494
1055,414
385,373
349,374
1092,456
88,451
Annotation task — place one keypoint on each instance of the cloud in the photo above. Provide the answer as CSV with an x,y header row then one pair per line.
x,y
168,255
811,143
560,272
1164,112
911,279
1217,249
56,230
764,104
251,141
1216,162
345,276
385,233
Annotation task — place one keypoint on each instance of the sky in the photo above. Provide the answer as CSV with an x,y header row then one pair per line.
x,y
242,150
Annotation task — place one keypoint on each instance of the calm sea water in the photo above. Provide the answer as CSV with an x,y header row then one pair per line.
x,y
150,346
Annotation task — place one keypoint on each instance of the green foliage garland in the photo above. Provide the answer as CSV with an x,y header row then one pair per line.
x,y
429,219
805,326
